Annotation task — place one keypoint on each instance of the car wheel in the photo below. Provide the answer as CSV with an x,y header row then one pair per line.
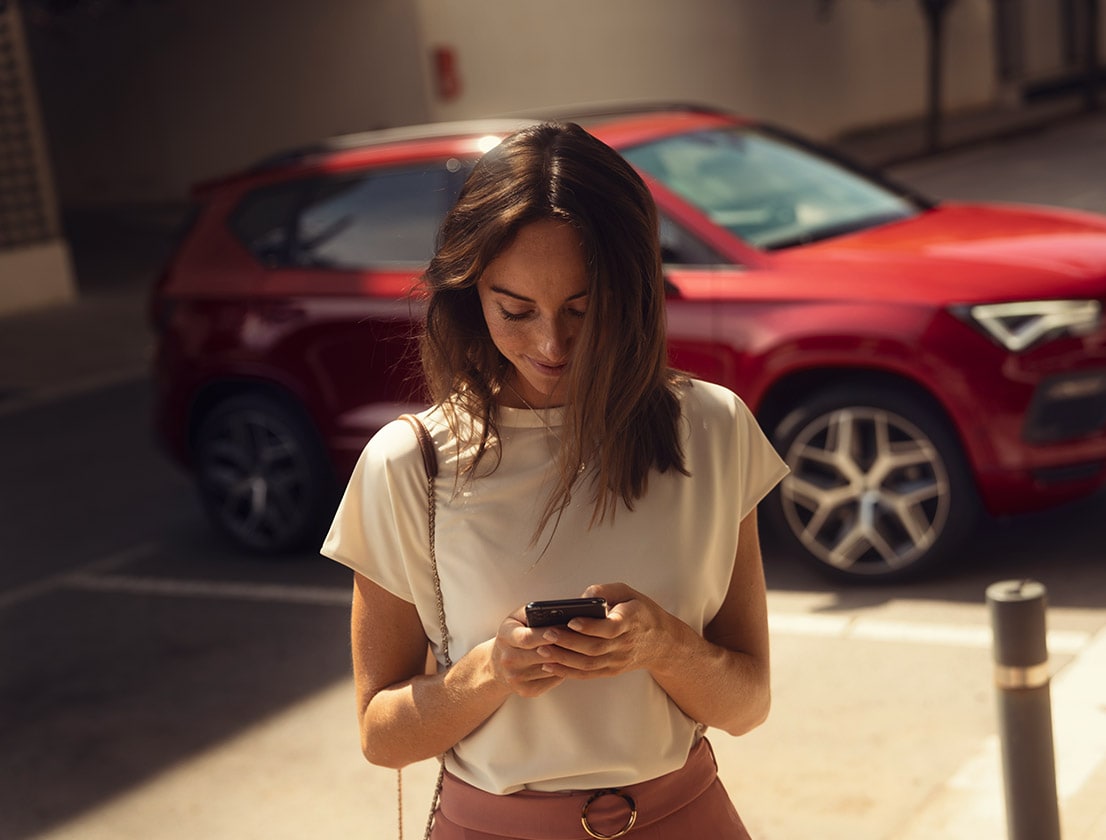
x,y
878,488
262,475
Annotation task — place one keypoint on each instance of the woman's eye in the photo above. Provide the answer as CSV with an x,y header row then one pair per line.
x,y
577,313
508,315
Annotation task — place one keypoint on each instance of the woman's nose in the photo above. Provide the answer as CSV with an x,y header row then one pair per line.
x,y
556,340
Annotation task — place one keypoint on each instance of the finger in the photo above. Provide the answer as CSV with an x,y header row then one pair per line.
x,y
539,685
517,664
614,593
519,636
569,673
601,628
521,674
575,660
587,644
518,616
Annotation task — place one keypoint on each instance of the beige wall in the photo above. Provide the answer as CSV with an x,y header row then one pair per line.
x,y
862,63
1043,56
142,103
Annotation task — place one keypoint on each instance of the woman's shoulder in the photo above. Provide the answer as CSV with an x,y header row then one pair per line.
x,y
708,400
397,444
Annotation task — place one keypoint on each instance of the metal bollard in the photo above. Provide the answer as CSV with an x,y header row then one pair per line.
x,y
1017,610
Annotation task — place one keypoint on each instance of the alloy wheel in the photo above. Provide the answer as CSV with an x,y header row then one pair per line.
x,y
868,493
255,476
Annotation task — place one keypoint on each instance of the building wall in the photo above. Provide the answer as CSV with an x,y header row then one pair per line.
x,y
147,98
144,101
861,62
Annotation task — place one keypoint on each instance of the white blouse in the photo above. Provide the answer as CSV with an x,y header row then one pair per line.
x,y
677,546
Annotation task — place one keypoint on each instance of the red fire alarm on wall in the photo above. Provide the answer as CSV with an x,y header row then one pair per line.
x,y
446,76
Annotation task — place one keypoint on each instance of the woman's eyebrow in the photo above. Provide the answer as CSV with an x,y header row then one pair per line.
x,y
500,290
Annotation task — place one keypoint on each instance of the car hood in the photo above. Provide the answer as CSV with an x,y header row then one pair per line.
x,y
963,253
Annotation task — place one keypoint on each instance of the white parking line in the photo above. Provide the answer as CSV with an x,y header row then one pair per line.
x,y
174,587
92,577
790,624
55,581
971,803
926,633
1079,715
39,397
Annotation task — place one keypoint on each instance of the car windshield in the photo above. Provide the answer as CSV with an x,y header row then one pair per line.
x,y
771,192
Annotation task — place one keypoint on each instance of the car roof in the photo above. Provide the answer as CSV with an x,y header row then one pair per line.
x,y
388,136
618,124
592,116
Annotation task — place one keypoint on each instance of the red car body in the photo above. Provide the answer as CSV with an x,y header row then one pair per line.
x,y
887,309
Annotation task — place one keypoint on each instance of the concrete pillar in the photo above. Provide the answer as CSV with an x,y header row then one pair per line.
x,y
35,268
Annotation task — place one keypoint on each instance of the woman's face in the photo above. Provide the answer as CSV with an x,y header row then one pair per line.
x,y
534,295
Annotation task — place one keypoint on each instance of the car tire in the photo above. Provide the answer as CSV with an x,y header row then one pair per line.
x,y
262,475
879,489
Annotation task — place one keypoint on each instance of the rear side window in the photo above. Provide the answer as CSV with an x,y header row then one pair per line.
x,y
352,221
382,217
263,219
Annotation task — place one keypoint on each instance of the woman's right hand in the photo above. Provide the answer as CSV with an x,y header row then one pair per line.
x,y
516,662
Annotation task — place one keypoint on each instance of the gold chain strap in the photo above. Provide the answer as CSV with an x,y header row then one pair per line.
x,y
430,462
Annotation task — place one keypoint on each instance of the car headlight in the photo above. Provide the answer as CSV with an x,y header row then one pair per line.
x,y
1019,325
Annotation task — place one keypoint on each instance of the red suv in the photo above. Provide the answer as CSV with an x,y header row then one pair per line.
x,y
912,361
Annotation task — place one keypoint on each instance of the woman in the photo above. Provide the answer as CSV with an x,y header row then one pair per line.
x,y
574,462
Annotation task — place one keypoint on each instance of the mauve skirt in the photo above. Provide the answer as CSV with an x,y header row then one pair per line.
x,y
683,805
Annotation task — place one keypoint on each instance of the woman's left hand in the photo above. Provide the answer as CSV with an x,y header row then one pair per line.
x,y
719,677
637,633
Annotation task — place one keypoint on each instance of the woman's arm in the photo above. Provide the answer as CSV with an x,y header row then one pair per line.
x,y
720,679
407,715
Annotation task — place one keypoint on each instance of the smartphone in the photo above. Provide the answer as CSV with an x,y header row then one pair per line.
x,y
545,613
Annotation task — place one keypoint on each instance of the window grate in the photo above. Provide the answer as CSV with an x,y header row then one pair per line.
x,y
24,217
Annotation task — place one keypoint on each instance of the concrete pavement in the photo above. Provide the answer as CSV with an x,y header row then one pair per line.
x,y
907,756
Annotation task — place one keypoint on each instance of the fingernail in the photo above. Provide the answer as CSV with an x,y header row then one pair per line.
x,y
550,635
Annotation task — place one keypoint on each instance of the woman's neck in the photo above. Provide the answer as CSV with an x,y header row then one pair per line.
x,y
511,397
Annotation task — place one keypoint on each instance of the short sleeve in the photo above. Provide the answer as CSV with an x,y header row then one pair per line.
x,y
759,466
380,524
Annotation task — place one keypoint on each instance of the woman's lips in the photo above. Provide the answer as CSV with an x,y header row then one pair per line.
x,y
548,369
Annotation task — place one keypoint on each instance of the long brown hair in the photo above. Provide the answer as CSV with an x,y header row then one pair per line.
x,y
622,415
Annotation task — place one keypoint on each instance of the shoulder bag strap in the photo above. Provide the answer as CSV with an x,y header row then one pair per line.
x,y
430,464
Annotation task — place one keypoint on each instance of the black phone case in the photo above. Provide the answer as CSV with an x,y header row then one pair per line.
x,y
546,613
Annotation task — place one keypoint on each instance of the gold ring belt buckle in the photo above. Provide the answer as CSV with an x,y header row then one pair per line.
x,y
622,832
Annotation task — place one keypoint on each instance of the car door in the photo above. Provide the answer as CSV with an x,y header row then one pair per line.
x,y
345,304
704,272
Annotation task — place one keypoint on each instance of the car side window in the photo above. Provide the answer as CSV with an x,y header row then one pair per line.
x,y
380,217
679,247
262,220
